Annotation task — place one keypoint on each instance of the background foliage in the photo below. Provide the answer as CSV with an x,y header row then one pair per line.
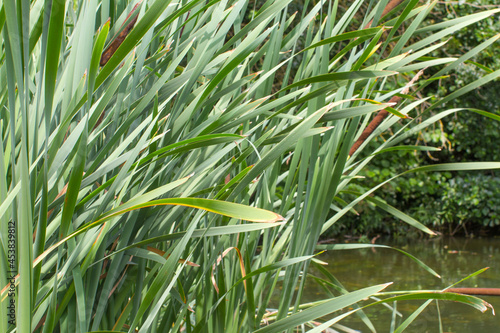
x,y
444,201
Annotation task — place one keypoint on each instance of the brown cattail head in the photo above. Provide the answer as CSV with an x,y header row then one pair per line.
x,y
372,126
111,49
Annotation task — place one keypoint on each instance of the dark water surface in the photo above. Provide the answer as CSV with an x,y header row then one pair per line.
x,y
453,259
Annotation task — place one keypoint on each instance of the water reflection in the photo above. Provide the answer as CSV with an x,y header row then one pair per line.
x,y
453,259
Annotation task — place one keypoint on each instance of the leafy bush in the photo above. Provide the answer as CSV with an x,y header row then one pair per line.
x,y
473,199
462,136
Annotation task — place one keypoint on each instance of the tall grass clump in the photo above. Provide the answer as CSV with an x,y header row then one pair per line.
x,y
169,166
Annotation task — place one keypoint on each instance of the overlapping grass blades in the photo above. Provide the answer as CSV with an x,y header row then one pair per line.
x,y
201,102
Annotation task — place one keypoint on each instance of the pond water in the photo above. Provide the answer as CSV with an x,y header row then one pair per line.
x,y
452,258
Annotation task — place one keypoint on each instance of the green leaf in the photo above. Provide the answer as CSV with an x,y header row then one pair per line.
x,y
341,76
364,246
322,309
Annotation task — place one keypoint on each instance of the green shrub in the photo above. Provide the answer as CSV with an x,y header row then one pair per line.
x,y
463,136
471,199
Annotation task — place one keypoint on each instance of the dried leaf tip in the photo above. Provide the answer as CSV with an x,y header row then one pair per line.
x,y
279,218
